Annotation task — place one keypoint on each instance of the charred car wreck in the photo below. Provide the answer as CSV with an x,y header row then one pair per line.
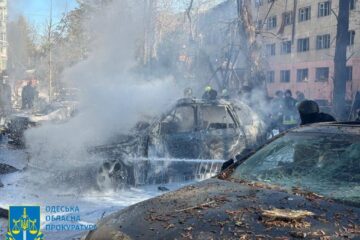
x,y
60,110
303,184
190,130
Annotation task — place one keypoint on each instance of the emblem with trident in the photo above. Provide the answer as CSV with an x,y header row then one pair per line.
x,y
26,225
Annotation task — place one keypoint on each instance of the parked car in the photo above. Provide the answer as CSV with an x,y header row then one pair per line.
x,y
60,110
191,129
303,184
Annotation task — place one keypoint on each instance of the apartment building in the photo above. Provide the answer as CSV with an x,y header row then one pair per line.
x,y
299,41
3,37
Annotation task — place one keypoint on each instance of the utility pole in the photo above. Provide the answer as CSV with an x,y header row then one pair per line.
x,y
340,70
50,51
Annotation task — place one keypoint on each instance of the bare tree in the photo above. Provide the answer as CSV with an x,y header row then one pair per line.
x,y
250,45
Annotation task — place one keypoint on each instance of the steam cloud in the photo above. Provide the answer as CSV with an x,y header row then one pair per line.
x,y
112,98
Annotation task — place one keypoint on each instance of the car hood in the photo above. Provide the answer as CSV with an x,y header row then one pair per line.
x,y
219,209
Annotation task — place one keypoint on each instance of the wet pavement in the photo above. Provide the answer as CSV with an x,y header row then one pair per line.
x,y
30,186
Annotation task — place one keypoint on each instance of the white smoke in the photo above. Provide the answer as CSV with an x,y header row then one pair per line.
x,y
113,99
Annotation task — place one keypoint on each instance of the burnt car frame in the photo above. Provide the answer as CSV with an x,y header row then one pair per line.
x,y
191,129
251,200
60,110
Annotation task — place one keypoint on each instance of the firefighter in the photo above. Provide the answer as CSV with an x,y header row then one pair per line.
x,y
188,92
300,97
310,113
209,94
28,95
290,115
225,94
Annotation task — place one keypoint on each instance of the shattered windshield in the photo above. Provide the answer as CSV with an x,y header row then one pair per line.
x,y
325,164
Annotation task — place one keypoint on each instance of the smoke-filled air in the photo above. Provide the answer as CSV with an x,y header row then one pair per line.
x,y
179,119
112,97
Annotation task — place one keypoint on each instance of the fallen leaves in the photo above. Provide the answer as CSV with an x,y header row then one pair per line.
x,y
308,195
286,214
200,206
169,226
286,218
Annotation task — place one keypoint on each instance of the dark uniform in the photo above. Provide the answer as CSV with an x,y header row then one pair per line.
x,y
210,95
28,95
5,97
310,113
290,115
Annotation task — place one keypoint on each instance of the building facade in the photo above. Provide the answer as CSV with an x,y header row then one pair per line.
x,y
3,35
299,39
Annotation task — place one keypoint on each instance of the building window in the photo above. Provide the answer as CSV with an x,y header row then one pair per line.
x,y
352,4
323,41
270,49
259,24
322,74
270,77
349,73
288,18
302,75
351,37
324,9
285,76
303,45
271,22
286,47
304,14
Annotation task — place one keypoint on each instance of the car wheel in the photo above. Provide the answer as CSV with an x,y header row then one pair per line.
x,y
112,175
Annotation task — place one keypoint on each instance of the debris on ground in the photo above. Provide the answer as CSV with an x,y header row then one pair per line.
x,y
286,214
308,195
163,189
286,218
201,206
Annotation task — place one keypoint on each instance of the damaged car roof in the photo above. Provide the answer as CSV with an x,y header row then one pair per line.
x,y
228,207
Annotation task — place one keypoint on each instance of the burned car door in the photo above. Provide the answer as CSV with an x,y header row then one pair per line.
x,y
178,133
220,132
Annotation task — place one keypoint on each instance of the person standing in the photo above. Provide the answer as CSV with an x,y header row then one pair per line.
x,y
28,95
310,113
291,116
277,110
5,95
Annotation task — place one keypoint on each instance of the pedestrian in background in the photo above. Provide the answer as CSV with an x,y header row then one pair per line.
x,y
310,113
28,96
5,95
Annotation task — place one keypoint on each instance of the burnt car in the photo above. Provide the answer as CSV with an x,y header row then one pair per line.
x,y
303,184
60,110
191,129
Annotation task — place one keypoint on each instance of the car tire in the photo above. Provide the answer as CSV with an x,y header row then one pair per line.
x,y
113,175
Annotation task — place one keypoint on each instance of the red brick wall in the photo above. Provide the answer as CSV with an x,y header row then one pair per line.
x,y
311,88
